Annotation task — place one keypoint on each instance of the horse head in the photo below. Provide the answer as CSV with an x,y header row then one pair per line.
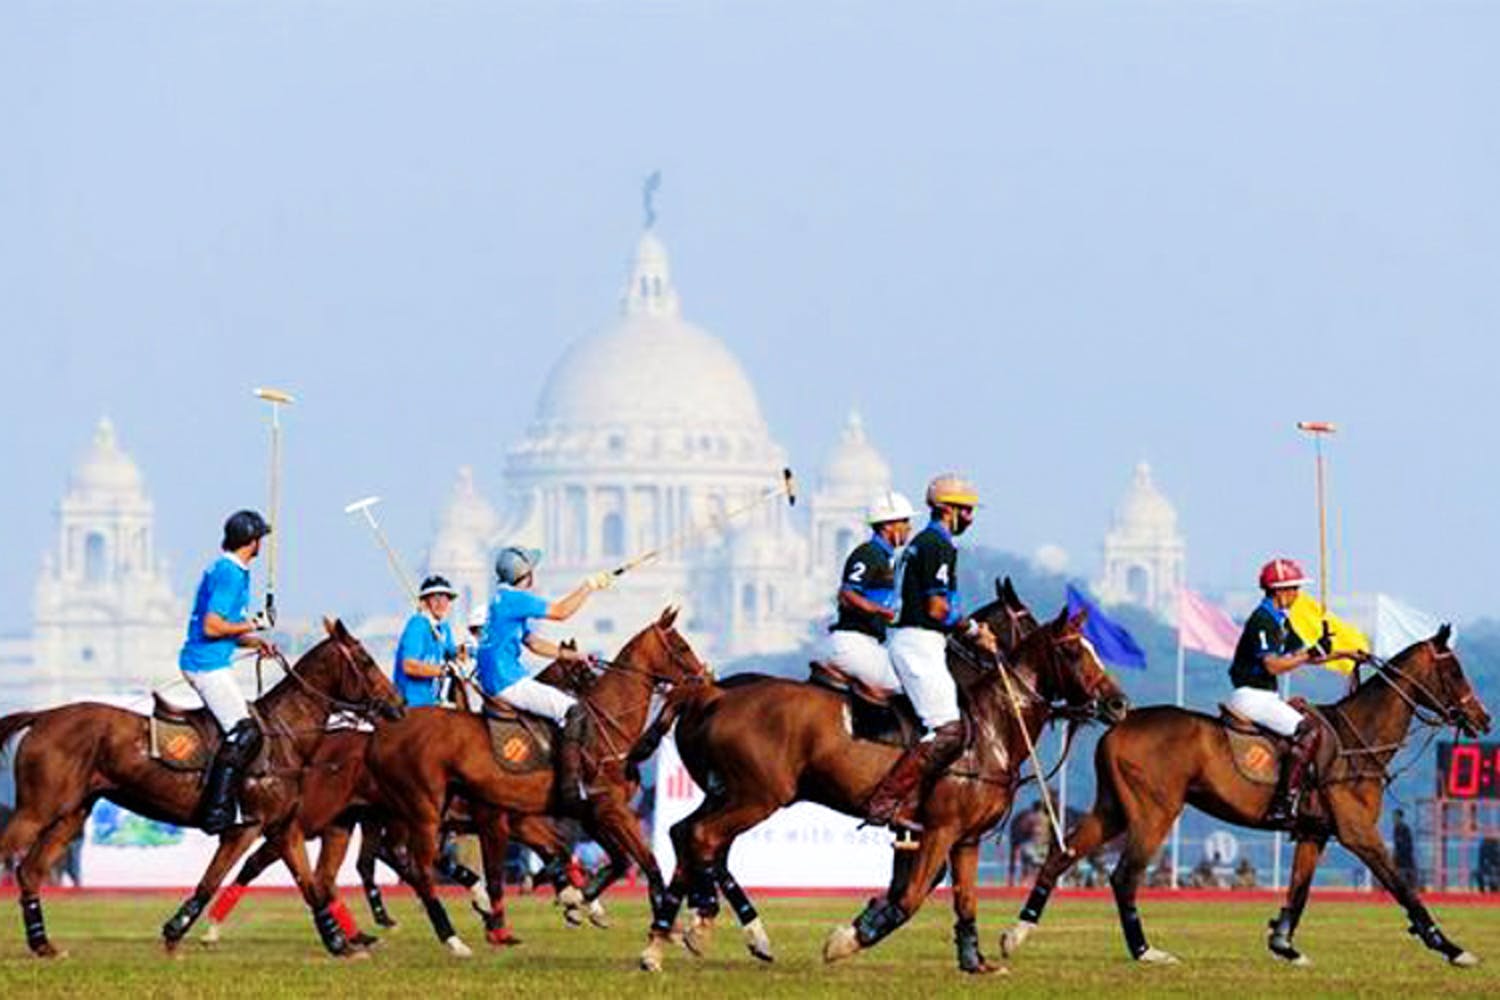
x,y
1450,694
344,671
660,652
1068,669
1007,617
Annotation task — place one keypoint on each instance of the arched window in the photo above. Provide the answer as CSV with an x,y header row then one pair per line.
x,y
844,542
645,287
1138,584
656,285
612,534
95,566
770,600
747,600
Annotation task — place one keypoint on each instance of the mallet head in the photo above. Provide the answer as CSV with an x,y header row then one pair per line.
x,y
274,395
1316,426
360,506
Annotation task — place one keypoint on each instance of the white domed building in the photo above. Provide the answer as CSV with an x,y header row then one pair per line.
x,y
643,433
1144,555
106,619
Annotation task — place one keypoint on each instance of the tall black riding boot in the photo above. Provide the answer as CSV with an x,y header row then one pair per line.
x,y
1305,743
570,791
235,754
898,796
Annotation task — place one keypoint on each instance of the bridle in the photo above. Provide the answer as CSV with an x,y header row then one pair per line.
x,y
369,708
688,670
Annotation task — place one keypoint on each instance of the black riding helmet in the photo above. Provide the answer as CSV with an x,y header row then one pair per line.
x,y
242,528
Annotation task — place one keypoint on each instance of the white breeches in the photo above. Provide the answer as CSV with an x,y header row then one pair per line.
x,y
220,694
531,695
920,657
1266,708
863,658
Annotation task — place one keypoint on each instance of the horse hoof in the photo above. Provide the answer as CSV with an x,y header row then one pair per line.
x,y
758,941
210,936
699,935
1464,960
985,968
598,916
651,957
842,942
1155,956
569,897
363,942
501,937
457,948
1011,940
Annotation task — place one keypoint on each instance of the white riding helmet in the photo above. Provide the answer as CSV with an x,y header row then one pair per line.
x,y
889,506
479,616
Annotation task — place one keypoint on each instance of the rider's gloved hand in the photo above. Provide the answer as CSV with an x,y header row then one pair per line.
x,y
599,581
261,621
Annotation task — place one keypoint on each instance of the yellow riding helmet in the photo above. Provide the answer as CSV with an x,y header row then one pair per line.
x,y
951,488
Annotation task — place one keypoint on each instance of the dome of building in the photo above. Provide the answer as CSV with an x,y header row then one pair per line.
x,y
105,469
854,468
653,369
468,516
1143,512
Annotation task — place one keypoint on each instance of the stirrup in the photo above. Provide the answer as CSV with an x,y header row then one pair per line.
x,y
907,838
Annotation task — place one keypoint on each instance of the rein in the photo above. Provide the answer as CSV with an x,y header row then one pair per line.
x,y
609,725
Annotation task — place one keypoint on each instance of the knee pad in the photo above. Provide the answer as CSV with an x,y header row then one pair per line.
x,y
243,742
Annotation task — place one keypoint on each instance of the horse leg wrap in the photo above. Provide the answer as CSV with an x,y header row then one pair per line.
x,y
36,927
966,938
1280,939
1031,913
1424,927
665,909
438,917
703,895
554,873
377,906
187,914
1135,934
330,931
227,901
449,867
881,917
744,910
344,918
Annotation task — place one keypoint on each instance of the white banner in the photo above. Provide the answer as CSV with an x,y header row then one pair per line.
x,y
123,851
803,846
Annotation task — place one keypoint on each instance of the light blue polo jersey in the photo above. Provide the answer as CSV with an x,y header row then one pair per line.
x,y
511,612
420,641
224,590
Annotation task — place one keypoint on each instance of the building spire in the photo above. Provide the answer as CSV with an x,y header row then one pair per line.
x,y
649,291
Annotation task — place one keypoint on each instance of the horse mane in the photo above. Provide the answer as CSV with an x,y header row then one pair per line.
x,y
286,682
1377,675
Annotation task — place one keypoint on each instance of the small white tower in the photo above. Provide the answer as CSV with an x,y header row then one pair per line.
x,y
461,548
106,620
853,474
1143,553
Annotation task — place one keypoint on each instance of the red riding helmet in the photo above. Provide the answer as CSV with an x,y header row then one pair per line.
x,y
1279,574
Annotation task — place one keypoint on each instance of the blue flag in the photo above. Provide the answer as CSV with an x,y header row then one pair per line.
x,y
1111,641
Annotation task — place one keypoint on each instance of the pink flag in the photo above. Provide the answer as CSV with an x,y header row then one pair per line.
x,y
1205,627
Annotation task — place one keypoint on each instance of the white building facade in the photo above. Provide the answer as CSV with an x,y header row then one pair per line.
x,y
1144,556
647,433
106,619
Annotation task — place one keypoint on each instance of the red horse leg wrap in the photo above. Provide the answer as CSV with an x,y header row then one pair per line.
x,y
227,901
344,917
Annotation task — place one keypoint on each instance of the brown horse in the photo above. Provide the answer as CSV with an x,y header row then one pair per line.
x,y
72,756
762,745
1161,758
336,796
416,766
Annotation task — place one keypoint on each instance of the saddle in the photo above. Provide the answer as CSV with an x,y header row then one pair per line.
x,y
874,715
1258,752
521,742
183,739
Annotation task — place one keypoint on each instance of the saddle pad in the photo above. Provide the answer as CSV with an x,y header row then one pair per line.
x,y
180,746
521,746
1257,758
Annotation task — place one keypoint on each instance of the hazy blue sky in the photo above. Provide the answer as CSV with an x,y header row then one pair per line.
x,y
1037,241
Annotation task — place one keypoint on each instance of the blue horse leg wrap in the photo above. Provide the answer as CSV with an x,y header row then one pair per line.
x,y
31,916
881,917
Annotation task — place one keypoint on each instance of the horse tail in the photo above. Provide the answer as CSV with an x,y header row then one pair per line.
x,y
12,724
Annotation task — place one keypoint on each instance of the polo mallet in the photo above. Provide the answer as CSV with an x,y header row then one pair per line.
x,y
366,508
277,398
787,488
1319,429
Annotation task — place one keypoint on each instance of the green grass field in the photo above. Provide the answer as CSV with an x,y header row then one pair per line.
x,y
270,949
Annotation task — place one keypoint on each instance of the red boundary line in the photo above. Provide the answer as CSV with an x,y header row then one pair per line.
x,y
1267,896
